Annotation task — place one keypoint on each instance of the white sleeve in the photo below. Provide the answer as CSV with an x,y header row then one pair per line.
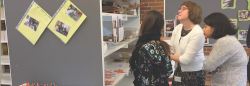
x,y
196,43
173,37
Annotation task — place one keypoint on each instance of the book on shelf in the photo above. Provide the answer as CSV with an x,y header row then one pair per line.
x,y
6,69
5,49
3,27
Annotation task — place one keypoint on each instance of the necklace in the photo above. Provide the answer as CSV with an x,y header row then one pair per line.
x,y
184,32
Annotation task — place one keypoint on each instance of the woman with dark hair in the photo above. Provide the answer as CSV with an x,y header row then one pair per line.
x,y
187,43
150,61
227,61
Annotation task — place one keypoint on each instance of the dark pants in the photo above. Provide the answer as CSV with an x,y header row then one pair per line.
x,y
248,70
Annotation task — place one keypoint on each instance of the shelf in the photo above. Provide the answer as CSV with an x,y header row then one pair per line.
x,y
205,45
2,13
5,60
115,47
110,8
110,14
6,79
130,15
108,17
118,79
4,42
112,66
2,18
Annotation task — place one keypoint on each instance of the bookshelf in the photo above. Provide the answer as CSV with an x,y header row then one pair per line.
x,y
5,61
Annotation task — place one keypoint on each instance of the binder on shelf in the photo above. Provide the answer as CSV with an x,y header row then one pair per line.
x,y
5,49
6,69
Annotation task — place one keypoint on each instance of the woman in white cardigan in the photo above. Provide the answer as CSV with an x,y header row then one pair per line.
x,y
187,43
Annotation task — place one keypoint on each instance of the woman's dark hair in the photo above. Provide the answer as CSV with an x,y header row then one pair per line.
x,y
221,24
154,20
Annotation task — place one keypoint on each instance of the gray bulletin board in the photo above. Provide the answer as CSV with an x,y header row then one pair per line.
x,y
208,7
77,63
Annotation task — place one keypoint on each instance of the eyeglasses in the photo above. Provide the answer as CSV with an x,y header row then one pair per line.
x,y
182,9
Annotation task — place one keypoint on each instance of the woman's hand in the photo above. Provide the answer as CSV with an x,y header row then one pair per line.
x,y
171,56
175,58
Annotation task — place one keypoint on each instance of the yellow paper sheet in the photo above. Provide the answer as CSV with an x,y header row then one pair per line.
x,y
67,21
34,22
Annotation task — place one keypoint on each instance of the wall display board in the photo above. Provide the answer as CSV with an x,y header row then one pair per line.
x,y
172,8
78,63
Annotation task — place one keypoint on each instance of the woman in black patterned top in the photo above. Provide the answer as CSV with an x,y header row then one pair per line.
x,y
150,61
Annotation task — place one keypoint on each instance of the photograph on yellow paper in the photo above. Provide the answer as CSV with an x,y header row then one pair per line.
x,y
66,21
62,28
34,22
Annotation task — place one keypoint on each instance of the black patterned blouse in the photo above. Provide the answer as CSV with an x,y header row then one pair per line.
x,y
148,66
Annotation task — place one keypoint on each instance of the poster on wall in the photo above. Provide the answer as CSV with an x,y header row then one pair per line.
x,y
242,34
168,34
244,15
177,22
66,21
34,22
233,23
206,41
248,6
121,28
170,25
115,27
228,4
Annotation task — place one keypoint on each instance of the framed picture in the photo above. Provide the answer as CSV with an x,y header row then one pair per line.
x,y
168,34
234,23
177,22
244,15
242,35
228,4
206,41
170,25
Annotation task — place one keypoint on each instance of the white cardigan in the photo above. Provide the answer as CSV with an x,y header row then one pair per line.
x,y
189,48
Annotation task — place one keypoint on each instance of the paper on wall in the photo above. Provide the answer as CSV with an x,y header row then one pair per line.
x,y
66,21
248,6
34,22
